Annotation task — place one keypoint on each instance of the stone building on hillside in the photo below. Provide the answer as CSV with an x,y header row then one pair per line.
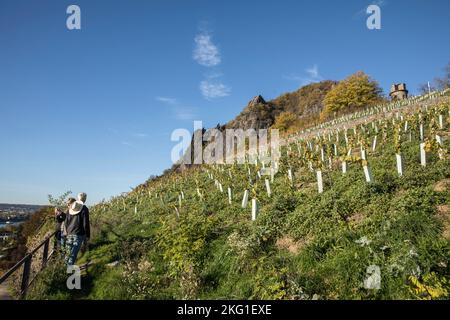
x,y
398,91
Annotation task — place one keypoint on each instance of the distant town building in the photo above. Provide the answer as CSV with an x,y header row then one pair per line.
x,y
398,91
4,237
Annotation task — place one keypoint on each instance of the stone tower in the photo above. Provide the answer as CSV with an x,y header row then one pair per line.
x,y
398,91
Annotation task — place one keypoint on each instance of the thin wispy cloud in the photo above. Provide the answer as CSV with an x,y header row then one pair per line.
x,y
292,77
313,72
126,143
211,90
312,75
124,138
167,100
179,111
213,75
140,135
206,52
185,113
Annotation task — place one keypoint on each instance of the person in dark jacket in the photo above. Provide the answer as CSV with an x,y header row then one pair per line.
x,y
60,216
83,197
78,230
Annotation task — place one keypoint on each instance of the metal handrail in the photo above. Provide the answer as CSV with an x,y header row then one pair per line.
x,y
26,262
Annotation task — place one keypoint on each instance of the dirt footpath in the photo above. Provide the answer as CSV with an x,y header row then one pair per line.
x,y
4,294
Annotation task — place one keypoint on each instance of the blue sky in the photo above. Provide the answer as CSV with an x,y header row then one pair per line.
x,y
93,109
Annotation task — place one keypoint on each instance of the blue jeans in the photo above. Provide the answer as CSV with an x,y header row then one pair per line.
x,y
62,245
73,245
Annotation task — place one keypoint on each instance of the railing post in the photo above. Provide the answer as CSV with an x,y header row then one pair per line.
x,y
25,275
56,244
45,254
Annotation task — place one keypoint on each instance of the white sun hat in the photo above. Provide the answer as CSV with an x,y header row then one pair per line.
x,y
76,207
82,197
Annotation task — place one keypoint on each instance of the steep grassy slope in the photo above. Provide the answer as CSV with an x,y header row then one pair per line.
x,y
178,237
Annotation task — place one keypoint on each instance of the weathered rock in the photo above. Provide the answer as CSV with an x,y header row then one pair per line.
x,y
257,100
257,115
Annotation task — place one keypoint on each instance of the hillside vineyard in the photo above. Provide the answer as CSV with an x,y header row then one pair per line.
x,y
356,208
330,146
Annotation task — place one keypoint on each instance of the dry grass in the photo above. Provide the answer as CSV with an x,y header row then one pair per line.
x,y
287,243
356,219
444,216
441,186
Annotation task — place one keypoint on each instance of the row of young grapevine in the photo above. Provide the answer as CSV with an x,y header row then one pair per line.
x,y
330,148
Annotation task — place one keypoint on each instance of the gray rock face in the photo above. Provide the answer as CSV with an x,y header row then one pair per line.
x,y
257,115
257,100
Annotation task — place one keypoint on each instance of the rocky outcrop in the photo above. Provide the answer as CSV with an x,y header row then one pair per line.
x,y
258,114
257,100
306,104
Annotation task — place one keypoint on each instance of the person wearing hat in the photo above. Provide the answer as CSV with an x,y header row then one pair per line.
x,y
82,197
77,229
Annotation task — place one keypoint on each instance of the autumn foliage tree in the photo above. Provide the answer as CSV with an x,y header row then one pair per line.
x,y
356,91
286,122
